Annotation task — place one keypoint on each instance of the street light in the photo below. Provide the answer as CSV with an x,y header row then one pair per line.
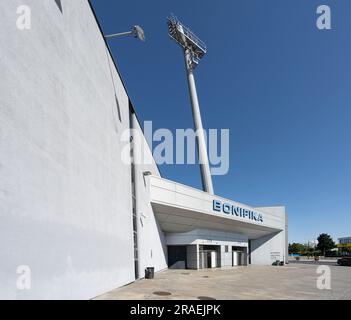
x,y
136,31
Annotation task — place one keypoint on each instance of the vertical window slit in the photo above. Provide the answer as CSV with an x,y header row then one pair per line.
x,y
118,109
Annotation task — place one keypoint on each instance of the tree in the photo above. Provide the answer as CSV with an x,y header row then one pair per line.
x,y
308,251
325,242
296,247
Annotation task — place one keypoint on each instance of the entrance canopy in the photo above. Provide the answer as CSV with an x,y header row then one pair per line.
x,y
179,208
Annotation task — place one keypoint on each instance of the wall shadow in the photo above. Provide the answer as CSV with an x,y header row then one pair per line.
x,y
59,4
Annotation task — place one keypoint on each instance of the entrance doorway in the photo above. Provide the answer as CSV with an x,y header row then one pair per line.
x,y
209,256
177,257
239,256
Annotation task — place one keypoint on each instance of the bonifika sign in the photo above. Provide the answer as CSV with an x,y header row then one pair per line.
x,y
235,210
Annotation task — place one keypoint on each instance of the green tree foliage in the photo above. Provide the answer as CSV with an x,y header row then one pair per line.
x,y
296,248
325,243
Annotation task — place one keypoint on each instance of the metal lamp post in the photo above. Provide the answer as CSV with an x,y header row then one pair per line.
x,y
136,31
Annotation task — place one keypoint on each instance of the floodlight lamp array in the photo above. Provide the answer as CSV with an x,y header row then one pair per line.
x,y
186,39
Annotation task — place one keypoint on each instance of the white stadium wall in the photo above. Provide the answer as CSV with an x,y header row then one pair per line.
x,y
65,194
152,249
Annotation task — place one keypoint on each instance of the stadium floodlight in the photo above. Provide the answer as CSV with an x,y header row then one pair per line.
x,y
136,31
194,51
187,40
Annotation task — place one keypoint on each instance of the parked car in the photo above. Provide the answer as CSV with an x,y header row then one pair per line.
x,y
345,261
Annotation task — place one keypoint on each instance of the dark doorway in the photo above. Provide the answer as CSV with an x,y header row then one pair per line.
x,y
209,260
249,253
177,257
209,256
239,256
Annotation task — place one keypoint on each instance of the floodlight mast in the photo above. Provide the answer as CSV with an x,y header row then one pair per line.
x,y
194,50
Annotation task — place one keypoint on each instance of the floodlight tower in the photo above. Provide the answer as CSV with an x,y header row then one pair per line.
x,y
194,50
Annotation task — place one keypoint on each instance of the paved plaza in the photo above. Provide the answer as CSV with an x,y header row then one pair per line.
x,y
292,281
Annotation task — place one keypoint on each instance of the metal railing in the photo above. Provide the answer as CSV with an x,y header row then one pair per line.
x,y
177,30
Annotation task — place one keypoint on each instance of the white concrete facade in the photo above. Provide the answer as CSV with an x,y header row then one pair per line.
x,y
66,195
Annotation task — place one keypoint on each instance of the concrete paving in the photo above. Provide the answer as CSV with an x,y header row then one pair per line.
x,y
293,281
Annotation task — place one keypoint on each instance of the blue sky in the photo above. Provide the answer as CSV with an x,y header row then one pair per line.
x,y
280,85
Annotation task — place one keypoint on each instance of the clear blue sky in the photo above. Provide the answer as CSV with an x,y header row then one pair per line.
x,y
280,85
